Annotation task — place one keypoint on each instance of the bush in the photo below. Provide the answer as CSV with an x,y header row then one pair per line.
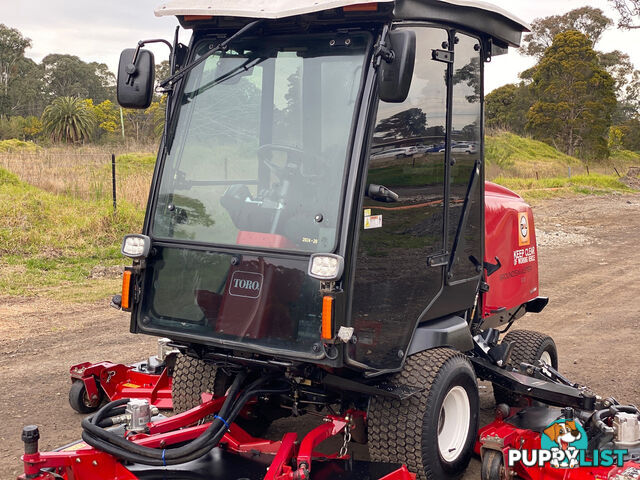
x,y
14,146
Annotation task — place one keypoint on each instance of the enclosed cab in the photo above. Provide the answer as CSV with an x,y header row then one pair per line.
x,y
295,210
319,207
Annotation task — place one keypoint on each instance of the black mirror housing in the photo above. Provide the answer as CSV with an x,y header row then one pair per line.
x,y
395,77
136,82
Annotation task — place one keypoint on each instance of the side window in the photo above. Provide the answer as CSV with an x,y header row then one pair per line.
x,y
393,283
465,152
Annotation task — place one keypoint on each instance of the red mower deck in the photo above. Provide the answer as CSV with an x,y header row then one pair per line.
x,y
238,454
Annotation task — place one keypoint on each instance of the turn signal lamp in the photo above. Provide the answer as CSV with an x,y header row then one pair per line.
x,y
327,318
136,246
326,266
125,302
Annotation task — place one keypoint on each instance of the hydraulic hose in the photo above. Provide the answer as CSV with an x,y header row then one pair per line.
x,y
126,450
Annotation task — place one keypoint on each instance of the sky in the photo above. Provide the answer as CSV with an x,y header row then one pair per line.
x,y
99,31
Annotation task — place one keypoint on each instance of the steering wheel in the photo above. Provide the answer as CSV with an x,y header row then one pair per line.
x,y
281,171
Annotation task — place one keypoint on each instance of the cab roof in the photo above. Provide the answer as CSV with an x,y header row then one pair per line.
x,y
475,15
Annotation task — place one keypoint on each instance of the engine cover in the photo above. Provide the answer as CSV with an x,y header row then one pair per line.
x,y
511,238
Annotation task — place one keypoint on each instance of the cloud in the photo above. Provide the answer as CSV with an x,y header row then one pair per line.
x,y
94,31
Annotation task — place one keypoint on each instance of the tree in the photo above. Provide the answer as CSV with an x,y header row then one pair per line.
x,y
631,134
12,48
506,107
162,71
409,123
20,85
592,22
627,83
68,76
68,119
575,98
629,12
31,127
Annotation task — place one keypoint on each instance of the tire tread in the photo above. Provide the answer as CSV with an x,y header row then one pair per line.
x,y
396,437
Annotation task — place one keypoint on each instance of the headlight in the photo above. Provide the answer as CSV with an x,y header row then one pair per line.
x,y
326,266
136,246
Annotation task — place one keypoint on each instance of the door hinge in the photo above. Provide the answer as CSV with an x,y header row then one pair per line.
x,y
438,260
442,56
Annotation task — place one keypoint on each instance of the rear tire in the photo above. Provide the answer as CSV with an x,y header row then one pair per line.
x,y
79,400
432,432
528,347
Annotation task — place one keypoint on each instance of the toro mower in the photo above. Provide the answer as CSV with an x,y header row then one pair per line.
x,y
318,242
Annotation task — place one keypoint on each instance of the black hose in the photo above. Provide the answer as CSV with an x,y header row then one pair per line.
x,y
124,449
92,430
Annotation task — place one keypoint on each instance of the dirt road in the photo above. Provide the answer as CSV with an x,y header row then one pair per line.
x,y
589,260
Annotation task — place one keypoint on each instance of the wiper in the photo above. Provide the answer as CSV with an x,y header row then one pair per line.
x,y
222,46
471,188
246,66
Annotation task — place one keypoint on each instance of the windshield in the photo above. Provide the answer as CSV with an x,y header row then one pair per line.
x,y
261,138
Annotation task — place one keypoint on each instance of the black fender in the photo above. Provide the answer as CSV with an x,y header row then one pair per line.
x,y
452,331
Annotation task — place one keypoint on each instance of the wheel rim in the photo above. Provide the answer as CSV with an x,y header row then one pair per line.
x,y
87,401
453,423
546,358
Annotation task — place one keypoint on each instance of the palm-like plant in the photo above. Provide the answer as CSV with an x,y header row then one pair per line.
x,y
68,119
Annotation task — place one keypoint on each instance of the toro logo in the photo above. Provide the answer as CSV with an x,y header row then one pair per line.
x,y
245,284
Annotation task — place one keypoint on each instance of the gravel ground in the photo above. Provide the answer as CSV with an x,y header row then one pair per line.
x,y
588,267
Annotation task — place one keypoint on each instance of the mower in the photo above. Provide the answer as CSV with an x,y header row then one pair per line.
x,y
317,242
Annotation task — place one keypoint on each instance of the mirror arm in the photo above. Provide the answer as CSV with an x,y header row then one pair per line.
x,y
382,51
132,68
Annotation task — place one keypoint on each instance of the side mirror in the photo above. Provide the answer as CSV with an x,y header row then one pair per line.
x,y
395,77
136,77
381,193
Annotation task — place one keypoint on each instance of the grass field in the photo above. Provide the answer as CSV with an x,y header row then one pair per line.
x,y
60,238
59,246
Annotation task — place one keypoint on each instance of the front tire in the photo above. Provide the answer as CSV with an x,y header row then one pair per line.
x,y
492,465
433,431
191,378
528,347
79,400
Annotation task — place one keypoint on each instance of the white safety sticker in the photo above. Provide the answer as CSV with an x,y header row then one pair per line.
x,y
524,255
373,221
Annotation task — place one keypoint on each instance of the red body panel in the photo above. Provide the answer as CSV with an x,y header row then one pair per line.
x,y
123,381
289,460
258,239
511,237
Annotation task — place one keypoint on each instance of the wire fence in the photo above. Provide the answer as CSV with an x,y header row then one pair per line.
x,y
107,176
93,176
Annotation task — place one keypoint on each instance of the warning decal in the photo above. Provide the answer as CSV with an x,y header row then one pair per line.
x,y
372,221
524,233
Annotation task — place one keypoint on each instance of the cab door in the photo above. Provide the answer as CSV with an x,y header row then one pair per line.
x,y
400,253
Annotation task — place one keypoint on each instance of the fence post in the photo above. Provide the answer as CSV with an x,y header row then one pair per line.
x,y
569,172
113,180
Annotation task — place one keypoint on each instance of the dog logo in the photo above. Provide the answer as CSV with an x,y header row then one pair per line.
x,y
564,438
564,444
